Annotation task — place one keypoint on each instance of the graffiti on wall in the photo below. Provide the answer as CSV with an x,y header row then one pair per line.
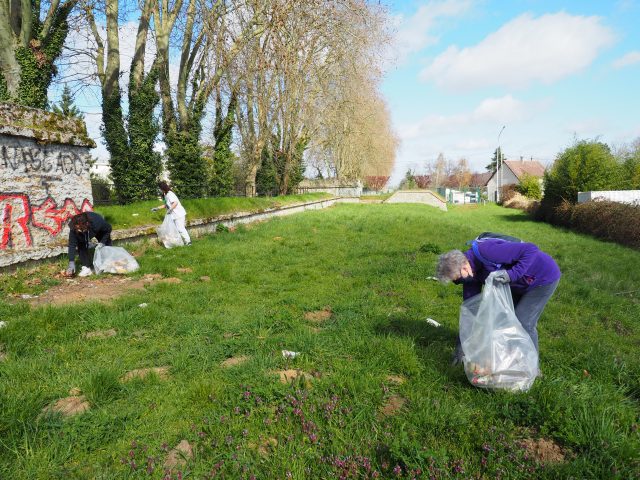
x,y
17,214
37,160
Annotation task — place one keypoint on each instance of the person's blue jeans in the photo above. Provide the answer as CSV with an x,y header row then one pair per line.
x,y
528,307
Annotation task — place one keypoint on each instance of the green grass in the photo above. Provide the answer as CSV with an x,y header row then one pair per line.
x,y
369,264
139,213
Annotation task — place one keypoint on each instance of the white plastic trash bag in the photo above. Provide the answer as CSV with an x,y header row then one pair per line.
x,y
498,352
113,260
168,233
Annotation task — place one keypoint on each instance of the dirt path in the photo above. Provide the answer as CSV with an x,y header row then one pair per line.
x,y
100,289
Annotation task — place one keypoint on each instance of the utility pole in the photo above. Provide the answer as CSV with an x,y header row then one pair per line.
x,y
499,166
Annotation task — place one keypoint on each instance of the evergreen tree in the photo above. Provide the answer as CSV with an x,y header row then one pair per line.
x,y
221,173
66,107
497,155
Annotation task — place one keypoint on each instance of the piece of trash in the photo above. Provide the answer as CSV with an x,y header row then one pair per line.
x,y
433,278
289,354
3,324
431,321
135,214
26,296
143,305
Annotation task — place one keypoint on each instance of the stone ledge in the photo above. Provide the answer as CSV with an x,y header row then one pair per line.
x,y
43,127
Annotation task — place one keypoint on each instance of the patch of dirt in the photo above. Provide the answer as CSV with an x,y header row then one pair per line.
x,y
397,379
171,280
228,335
265,446
205,278
101,334
75,392
290,376
94,288
68,406
319,315
392,406
184,270
278,238
179,455
161,372
543,450
233,361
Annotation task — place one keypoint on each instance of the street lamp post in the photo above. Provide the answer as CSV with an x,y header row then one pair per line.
x,y
499,166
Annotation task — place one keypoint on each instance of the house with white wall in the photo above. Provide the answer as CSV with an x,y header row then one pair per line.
x,y
512,172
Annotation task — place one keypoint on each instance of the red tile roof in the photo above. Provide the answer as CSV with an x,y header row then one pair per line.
x,y
523,167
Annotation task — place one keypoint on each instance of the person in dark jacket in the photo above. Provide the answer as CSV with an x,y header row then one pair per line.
x,y
531,273
82,228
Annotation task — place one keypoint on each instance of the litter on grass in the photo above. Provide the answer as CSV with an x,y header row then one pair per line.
x,y
3,324
431,321
289,354
433,278
143,305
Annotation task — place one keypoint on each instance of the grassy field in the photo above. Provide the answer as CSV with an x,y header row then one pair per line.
x,y
139,213
347,288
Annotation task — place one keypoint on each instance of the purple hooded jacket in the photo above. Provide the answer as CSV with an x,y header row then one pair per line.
x,y
527,266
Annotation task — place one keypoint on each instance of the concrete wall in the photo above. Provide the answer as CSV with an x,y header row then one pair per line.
x,y
418,196
44,173
631,197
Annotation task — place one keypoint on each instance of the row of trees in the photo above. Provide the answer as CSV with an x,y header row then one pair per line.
x,y
441,172
282,82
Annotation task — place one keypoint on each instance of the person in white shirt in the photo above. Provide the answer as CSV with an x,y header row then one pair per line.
x,y
175,209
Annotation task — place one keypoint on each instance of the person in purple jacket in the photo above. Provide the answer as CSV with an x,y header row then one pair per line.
x,y
531,273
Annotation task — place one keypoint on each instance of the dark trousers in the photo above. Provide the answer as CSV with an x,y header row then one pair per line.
x,y
83,250
528,307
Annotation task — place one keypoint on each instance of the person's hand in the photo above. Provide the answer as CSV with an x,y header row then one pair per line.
x,y
502,276
71,269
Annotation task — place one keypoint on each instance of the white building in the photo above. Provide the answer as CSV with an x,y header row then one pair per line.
x,y
512,172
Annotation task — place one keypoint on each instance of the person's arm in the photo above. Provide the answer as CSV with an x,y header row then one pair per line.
x,y
519,255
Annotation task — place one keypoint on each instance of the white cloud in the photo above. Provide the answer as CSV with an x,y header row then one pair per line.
x,y
415,32
523,51
630,58
495,111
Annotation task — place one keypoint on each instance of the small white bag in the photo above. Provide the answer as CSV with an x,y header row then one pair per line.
x,y
113,260
498,352
168,233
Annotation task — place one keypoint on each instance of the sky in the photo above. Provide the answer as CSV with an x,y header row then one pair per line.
x,y
549,72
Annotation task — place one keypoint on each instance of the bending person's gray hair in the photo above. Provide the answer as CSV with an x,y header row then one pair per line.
x,y
449,265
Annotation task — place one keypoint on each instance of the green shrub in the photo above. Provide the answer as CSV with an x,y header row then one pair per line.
x,y
529,186
585,166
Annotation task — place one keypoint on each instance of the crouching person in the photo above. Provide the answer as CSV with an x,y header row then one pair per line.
x,y
531,273
82,228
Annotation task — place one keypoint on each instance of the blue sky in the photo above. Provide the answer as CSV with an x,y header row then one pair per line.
x,y
549,71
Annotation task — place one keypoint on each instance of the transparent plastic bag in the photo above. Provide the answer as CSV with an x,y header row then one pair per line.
x,y
168,233
113,260
498,352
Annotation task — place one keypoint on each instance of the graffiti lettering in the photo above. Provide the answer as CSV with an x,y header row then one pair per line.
x,y
16,211
27,160
14,217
